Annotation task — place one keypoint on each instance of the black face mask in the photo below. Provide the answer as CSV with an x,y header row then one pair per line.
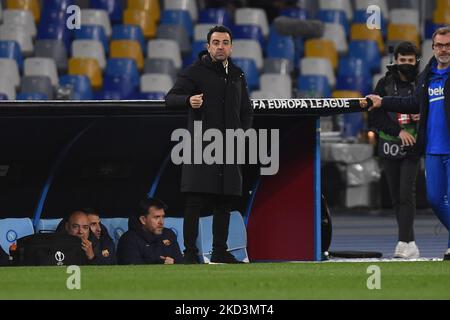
x,y
409,71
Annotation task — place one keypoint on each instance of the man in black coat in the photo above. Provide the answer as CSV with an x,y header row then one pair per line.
x,y
147,241
106,249
215,93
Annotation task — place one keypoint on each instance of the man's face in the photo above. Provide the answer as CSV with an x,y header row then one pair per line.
x,y
219,46
94,225
154,220
441,48
406,59
78,225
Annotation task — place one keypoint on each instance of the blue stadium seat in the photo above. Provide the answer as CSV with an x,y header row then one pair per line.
x,y
197,47
178,17
250,71
246,31
237,237
129,32
280,46
314,86
353,124
116,227
55,32
430,27
93,32
12,229
113,7
368,51
297,13
31,96
82,89
3,96
361,16
176,225
334,16
123,66
11,49
58,5
218,16
355,83
47,224
351,66
122,84
152,96
107,95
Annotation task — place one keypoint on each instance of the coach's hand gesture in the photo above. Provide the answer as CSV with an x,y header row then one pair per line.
x,y
86,245
196,101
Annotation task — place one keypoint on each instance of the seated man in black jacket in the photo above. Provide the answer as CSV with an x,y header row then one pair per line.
x,y
106,247
147,241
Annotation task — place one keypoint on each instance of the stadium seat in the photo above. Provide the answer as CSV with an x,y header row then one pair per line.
x,y
176,225
142,19
338,94
330,16
441,16
1,12
362,5
36,66
201,31
336,33
7,87
430,27
188,5
35,96
247,31
3,96
318,66
127,49
176,33
405,16
37,84
251,72
216,16
116,227
236,242
94,32
354,83
368,51
403,32
129,32
361,17
165,48
22,18
12,229
279,46
197,47
96,17
297,13
180,18
81,86
279,84
160,65
88,67
31,5
55,32
322,48
252,16
278,65
403,4
248,49
9,67
156,82
53,49
47,224
107,95
260,94
152,95
312,86
123,66
11,49
113,7
427,53
352,66
18,33
344,5
359,31
89,49
121,84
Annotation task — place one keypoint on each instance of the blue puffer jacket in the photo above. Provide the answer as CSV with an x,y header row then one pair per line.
x,y
137,246
419,103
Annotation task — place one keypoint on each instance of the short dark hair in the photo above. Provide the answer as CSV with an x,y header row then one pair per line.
x,y
406,48
146,204
90,211
440,31
221,29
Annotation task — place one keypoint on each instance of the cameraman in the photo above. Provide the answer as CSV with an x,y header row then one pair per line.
x,y
397,135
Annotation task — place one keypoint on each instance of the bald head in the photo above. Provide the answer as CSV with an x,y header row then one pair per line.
x,y
78,224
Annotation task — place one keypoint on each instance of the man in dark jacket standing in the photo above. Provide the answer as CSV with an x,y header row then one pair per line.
x,y
432,100
396,130
147,241
214,91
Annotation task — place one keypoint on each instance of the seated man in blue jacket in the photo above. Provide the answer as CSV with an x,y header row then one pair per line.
x,y
147,241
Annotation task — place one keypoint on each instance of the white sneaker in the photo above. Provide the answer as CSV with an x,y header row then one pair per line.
x,y
407,250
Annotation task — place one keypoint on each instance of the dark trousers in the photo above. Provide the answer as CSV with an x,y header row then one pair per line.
x,y
195,204
401,177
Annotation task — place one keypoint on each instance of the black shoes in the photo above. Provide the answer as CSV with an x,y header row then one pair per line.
x,y
224,257
447,255
190,258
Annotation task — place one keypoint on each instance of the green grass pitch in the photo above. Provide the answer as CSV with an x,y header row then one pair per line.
x,y
265,281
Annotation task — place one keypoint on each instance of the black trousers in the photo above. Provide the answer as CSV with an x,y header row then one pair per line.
x,y
401,177
195,204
